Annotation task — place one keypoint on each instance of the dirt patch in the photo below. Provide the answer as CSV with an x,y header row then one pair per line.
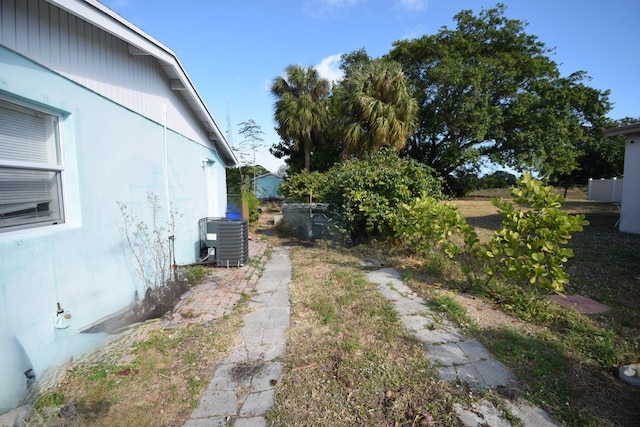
x,y
245,371
155,304
487,315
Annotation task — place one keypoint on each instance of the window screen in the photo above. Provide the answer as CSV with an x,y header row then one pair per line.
x,y
30,169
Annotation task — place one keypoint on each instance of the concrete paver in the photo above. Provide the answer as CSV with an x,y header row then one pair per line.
x,y
251,422
481,415
456,357
242,389
216,403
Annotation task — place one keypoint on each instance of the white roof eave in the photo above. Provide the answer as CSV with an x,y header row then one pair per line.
x,y
101,16
623,130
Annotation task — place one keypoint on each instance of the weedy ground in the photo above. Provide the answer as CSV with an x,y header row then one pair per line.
x,y
153,380
350,362
566,361
349,359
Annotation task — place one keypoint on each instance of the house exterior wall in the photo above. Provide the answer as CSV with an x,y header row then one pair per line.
x,y
95,59
110,154
630,209
267,186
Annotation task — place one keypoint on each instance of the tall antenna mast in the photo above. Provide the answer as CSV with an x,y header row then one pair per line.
x,y
229,134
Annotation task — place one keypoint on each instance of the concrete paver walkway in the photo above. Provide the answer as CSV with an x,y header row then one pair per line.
x,y
242,389
243,386
455,356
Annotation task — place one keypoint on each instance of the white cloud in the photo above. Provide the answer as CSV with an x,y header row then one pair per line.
x,y
267,84
412,5
329,68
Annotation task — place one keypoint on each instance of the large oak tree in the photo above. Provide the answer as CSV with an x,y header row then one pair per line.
x,y
489,91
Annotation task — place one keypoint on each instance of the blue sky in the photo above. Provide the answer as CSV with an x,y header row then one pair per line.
x,y
232,50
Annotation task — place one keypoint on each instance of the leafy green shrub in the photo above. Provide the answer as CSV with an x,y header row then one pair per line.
x,y
427,220
529,246
304,187
250,200
368,192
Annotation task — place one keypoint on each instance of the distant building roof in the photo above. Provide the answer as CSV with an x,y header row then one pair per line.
x,y
265,175
623,130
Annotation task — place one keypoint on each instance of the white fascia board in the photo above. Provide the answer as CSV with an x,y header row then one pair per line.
x,y
623,130
102,17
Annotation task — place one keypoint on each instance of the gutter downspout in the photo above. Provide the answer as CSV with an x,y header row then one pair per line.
x,y
166,160
172,237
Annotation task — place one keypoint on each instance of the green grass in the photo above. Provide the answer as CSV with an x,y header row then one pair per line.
x,y
544,363
447,304
51,398
195,274
350,360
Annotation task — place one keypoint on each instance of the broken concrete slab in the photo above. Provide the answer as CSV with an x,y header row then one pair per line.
x,y
580,303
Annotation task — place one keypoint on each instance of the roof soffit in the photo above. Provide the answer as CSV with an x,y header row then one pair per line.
x,y
141,43
623,130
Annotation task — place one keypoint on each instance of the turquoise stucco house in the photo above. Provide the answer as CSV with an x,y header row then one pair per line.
x,y
93,112
266,186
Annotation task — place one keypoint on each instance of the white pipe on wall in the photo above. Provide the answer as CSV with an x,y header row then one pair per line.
x,y
166,162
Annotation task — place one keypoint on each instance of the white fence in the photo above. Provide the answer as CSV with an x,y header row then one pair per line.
x,y
605,190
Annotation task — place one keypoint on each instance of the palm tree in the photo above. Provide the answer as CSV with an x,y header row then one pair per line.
x,y
376,108
301,111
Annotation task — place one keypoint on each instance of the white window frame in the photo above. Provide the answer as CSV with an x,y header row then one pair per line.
x,y
40,200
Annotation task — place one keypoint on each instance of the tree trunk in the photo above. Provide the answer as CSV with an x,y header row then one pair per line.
x,y
307,159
